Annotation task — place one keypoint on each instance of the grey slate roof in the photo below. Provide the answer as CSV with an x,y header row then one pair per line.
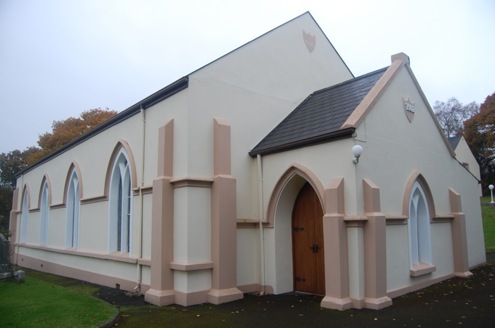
x,y
320,116
454,141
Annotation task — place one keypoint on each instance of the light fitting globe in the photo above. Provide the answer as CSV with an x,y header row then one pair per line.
x,y
491,187
357,150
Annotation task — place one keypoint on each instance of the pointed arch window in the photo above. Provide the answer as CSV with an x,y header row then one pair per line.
x,y
120,205
24,218
44,211
73,210
419,232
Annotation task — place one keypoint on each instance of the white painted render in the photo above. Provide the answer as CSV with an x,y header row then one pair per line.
x,y
355,244
192,281
94,223
192,221
248,264
56,233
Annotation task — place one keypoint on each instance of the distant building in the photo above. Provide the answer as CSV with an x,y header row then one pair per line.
x,y
168,195
465,156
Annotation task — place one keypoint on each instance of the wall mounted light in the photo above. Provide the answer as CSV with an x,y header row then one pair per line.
x,y
357,150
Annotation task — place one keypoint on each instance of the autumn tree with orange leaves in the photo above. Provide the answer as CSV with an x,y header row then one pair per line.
x,y
479,132
67,130
62,133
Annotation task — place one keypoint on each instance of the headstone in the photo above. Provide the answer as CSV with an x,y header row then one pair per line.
x,y
19,276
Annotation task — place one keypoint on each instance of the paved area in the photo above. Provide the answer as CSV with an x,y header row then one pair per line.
x,y
454,302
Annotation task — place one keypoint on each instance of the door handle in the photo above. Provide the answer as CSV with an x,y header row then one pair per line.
x,y
315,248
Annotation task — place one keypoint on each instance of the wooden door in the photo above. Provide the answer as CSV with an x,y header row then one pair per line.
x,y
307,243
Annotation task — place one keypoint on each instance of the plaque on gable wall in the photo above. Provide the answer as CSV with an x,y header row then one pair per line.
x,y
309,41
409,109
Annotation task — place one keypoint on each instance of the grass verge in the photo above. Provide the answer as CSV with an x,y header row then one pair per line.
x,y
489,227
486,199
36,303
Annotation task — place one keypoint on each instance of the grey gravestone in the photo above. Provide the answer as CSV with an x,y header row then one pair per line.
x,y
19,275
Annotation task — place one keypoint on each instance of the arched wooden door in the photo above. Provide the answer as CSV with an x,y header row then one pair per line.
x,y
307,243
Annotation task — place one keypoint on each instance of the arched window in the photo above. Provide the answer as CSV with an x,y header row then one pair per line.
x,y
120,205
419,227
45,210
73,204
24,218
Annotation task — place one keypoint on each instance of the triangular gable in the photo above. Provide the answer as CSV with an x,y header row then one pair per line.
x,y
454,141
398,61
276,28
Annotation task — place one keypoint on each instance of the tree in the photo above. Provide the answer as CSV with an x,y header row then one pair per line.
x,y
67,130
479,132
14,161
452,114
5,207
10,163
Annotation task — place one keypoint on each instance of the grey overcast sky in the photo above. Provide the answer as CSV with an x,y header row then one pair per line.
x,y
61,57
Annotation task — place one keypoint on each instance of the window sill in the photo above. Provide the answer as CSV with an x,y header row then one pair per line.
x,y
422,269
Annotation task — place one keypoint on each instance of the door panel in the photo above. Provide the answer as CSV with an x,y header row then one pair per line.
x,y
307,242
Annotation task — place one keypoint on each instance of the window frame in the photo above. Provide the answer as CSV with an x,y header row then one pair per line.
x,y
419,232
120,205
24,217
44,214
73,212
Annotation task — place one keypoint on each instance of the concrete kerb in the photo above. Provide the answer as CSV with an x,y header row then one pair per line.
x,y
113,321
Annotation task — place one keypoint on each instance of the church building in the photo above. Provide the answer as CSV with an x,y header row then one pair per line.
x,y
271,169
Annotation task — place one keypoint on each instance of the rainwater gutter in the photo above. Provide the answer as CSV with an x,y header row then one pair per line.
x,y
262,238
140,234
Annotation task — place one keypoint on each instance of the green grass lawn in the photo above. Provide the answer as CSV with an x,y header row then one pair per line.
x,y
489,227
486,199
36,303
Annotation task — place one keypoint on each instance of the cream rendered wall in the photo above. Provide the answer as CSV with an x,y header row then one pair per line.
x,y
56,228
398,274
192,232
146,275
176,108
147,205
253,88
93,227
33,235
393,150
355,244
248,256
